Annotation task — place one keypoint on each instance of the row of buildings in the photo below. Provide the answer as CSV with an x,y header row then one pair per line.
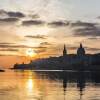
x,y
78,61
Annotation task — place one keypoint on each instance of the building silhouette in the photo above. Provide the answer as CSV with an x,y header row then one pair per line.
x,y
64,51
66,61
78,61
81,51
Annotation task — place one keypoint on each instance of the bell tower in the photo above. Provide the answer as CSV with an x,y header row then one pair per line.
x,y
64,51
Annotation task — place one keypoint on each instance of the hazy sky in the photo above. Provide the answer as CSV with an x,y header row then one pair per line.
x,y
45,25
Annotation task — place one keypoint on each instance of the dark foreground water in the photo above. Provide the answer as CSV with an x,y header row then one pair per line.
x,y
49,85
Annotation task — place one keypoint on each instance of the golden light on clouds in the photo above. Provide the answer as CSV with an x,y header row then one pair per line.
x,y
45,26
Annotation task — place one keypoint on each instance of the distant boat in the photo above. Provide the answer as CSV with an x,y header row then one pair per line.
x,y
1,70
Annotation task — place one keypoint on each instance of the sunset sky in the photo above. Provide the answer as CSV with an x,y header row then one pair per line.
x,y
30,29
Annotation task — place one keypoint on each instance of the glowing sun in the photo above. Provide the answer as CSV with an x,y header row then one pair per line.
x,y
30,52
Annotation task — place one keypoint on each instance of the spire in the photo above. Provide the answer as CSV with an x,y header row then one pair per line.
x,y
81,45
64,47
64,51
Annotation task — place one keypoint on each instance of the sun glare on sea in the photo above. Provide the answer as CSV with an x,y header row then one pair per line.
x,y
30,84
30,52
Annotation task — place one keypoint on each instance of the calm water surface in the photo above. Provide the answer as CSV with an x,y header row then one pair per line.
x,y
45,85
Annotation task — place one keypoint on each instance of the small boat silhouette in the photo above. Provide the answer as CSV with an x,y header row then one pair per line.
x,y
1,70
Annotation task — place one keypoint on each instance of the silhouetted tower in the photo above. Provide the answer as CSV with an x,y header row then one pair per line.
x,y
64,51
81,51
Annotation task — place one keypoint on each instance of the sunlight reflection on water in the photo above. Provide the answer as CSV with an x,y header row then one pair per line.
x,y
48,85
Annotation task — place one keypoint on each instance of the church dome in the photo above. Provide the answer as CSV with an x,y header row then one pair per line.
x,y
81,51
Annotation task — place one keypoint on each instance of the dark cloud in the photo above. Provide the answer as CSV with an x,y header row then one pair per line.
x,y
19,46
15,48
12,46
5,43
58,23
45,43
9,49
83,24
11,14
9,20
32,22
85,29
36,36
40,47
15,14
